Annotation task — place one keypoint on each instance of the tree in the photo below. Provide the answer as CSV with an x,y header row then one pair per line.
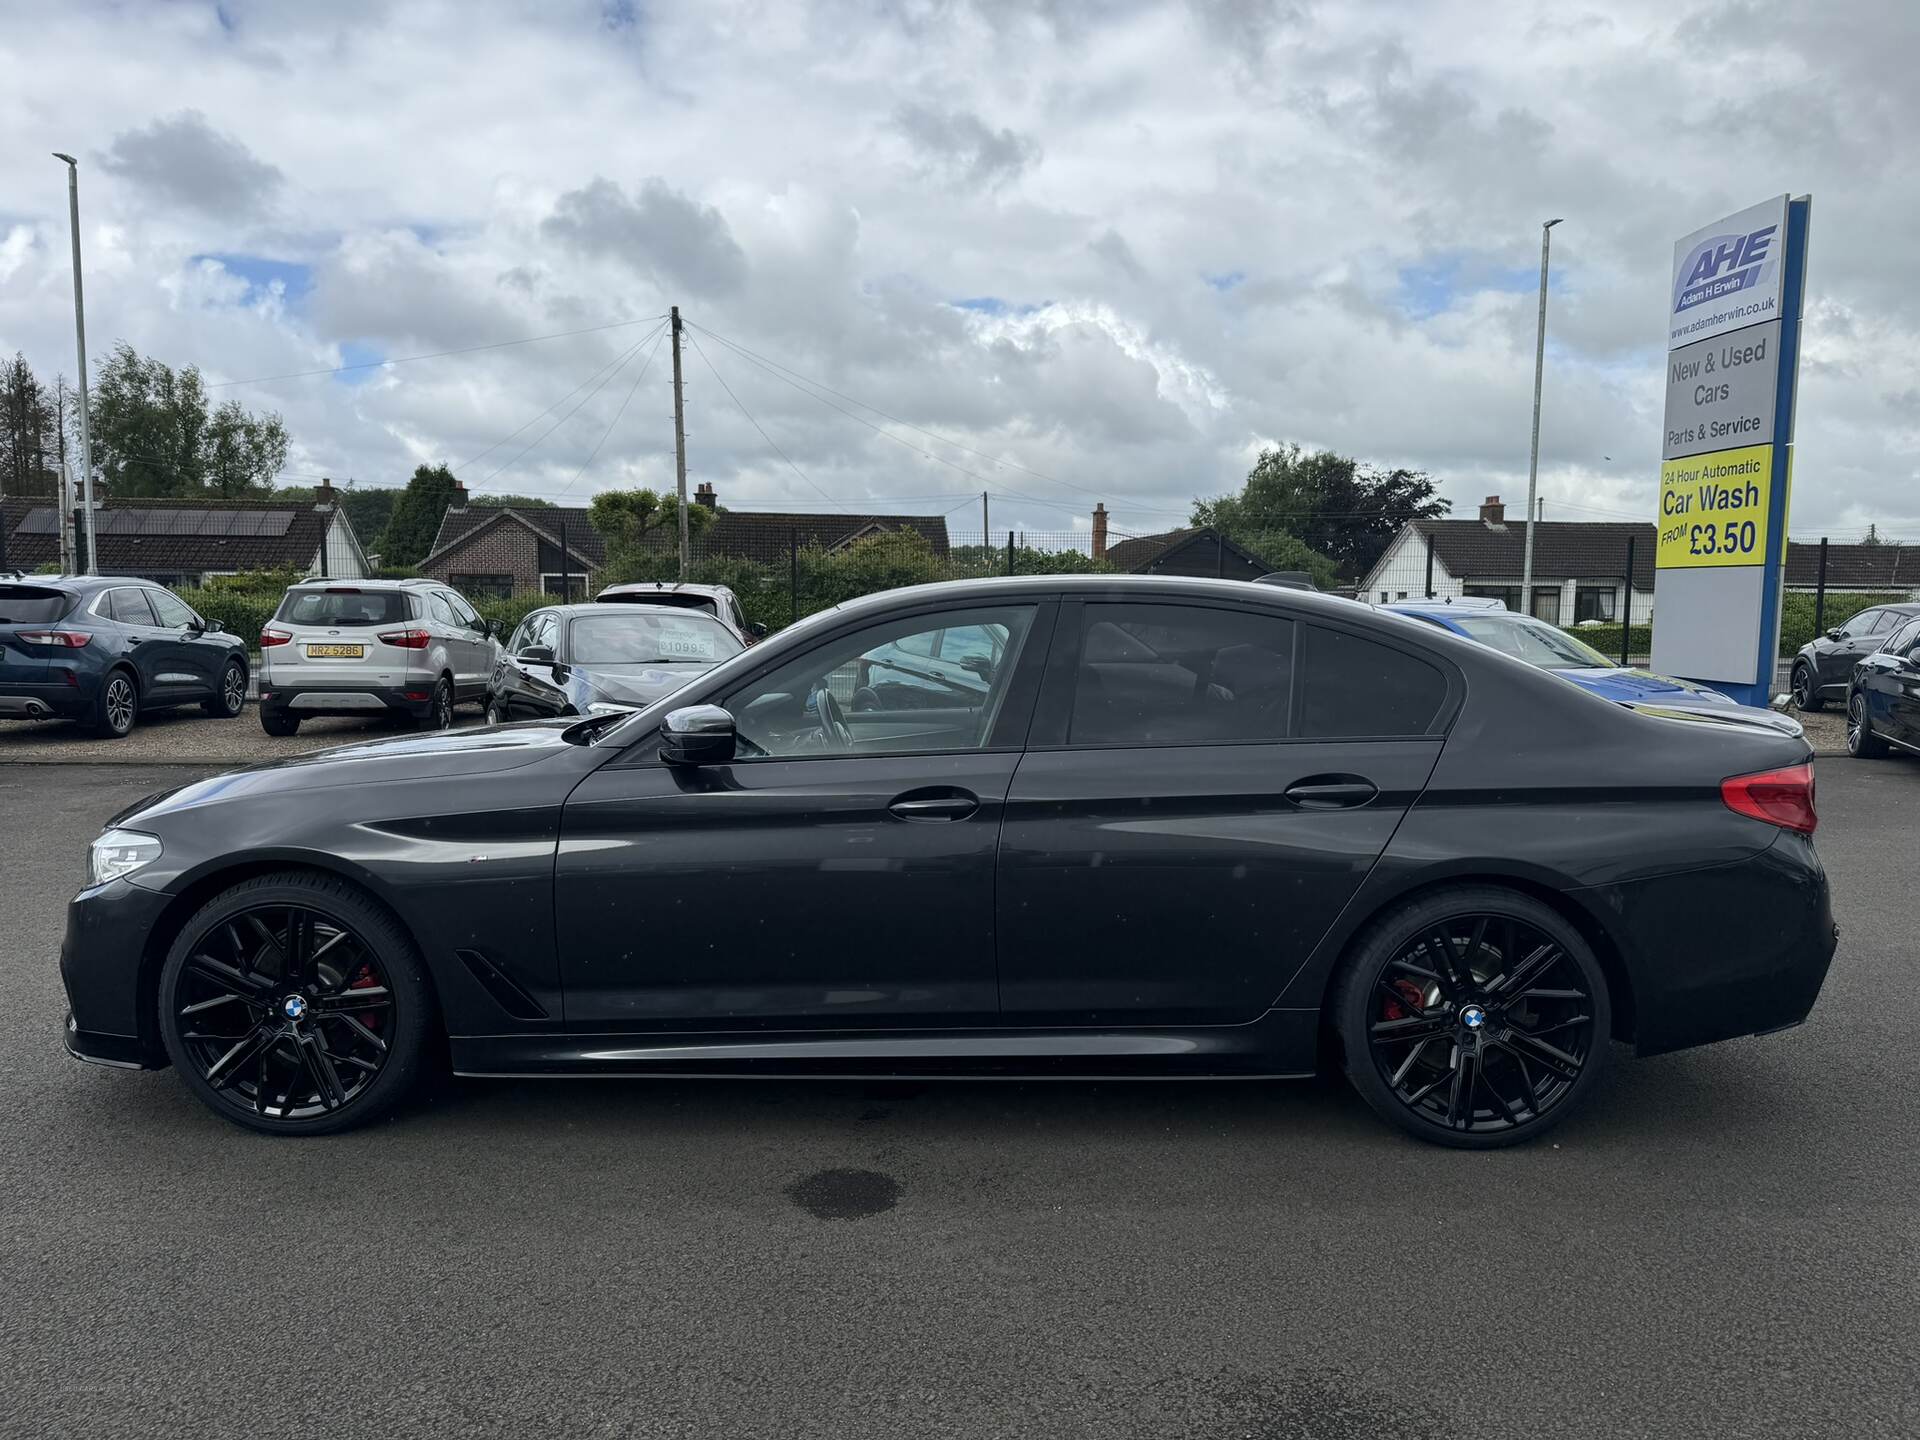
x,y
1328,505
29,433
627,518
416,516
368,507
517,502
155,433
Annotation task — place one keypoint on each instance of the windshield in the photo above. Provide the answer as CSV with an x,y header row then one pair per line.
x,y
1533,641
643,639
31,604
343,606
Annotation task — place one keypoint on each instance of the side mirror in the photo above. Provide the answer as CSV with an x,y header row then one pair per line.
x,y
1834,633
215,627
757,630
537,655
697,735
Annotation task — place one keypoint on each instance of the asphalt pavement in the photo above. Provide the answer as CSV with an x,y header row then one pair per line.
x,y
1724,1243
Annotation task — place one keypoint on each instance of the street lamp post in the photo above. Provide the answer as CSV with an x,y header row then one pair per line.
x,y
80,341
1533,457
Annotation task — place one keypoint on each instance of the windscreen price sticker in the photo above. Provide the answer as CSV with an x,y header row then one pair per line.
x,y
678,644
1713,508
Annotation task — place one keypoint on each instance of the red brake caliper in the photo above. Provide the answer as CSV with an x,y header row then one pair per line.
x,y
365,981
1414,996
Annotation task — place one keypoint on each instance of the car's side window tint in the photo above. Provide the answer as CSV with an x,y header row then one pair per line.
x,y
1358,688
1906,642
882,691
1187,674
129,607
1870,623
174,613
442,612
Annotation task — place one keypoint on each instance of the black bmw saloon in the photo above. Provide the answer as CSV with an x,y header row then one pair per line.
x,y
1154,827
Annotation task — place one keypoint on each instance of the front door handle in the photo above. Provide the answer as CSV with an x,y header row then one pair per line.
x,y
936,805
1331,792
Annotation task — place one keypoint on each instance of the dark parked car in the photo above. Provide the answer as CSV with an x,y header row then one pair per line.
x,y
1823,670
103,651
583,659
715,600
1185,828
1883,702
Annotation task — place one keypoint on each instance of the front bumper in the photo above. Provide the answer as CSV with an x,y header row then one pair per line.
x,y
110,974
304,701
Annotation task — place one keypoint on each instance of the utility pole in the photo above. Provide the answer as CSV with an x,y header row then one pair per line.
x,y
80,342
1533,458
680,441
986,525
68,560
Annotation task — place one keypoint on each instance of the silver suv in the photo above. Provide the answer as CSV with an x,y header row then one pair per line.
x,y
367,647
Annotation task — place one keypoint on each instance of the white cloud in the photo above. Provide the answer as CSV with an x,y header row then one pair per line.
x,y
1200,227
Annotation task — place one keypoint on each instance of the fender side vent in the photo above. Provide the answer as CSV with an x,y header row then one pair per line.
x,y
507,995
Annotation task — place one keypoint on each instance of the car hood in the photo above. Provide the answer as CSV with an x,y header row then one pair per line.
x,y
637,684
439,755
1643,686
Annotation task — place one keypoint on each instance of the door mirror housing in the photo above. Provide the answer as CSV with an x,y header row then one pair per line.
x,y
1834,633
537,655
697,735
216,627
757,630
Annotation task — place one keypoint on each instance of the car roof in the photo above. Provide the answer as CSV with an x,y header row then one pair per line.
x,y
685,587
78,583
318,582
623,607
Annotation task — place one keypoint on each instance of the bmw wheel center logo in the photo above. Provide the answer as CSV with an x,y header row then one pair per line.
x,y
1473,1017
294,1006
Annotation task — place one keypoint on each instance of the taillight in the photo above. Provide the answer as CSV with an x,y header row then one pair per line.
x,y
271,637
66,639
1779,797
406,639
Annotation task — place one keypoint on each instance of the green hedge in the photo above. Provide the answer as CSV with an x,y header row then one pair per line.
x,y
1606,638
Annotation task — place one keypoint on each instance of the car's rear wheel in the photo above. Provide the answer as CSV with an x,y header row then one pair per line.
x,y
295,1005
496,713
1805,697
1862,743
278,722
440,707
232,696
1475,1017
116,707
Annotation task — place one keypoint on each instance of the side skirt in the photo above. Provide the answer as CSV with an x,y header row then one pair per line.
x,y
1280,1044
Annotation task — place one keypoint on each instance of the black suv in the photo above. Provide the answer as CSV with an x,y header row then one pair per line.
x,y
1824,666
101,650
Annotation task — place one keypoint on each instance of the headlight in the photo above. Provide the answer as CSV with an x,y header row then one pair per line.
x,y
607,707
121,852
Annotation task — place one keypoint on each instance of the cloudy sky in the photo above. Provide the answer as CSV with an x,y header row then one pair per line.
x,y
1056,250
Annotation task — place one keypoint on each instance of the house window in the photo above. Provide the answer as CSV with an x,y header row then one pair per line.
x,y
1595,602
497,587
1507,595
1546,603
576,585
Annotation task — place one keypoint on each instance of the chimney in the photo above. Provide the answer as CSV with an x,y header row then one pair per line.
x,y
323,492
459,501
1492,512
703,495
1100,530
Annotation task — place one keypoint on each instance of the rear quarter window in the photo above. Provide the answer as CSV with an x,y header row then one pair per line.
x,y
1358,688
343,607
32,604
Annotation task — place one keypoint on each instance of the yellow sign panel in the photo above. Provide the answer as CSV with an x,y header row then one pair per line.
x,y
1713,508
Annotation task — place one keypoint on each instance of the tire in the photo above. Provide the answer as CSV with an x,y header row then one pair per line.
x,y
1411,1045
439,714
304,1071
232,698
495,715
1862,743
278,722
1804,695
116,707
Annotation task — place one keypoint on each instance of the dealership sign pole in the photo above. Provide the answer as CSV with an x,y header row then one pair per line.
x,y
1733,360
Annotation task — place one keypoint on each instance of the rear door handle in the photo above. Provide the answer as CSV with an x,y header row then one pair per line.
x,y
1331,792
946,805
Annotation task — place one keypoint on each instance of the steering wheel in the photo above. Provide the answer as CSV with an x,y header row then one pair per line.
x,y
833,724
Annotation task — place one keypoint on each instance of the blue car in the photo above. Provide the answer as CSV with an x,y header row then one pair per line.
x,y
102,650
1548,646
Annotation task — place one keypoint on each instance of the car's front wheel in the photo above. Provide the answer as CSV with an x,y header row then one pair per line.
x,y
294,1004
1805,696
1862,743
496,712
1475,1017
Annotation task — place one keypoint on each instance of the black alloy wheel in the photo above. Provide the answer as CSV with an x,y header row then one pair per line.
x,y
440,709
295,1005
1804,697
1475,1018
1862,743
117,707
232,698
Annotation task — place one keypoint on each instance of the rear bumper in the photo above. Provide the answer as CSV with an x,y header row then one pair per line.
x,y
1715,954
308,700
34,702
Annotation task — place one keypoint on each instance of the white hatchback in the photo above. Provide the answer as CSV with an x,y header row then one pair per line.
x,y
369,647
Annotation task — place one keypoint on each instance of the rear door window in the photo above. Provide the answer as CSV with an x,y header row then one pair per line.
x,y
32,604
129,606
1361,689
1181,674
343,607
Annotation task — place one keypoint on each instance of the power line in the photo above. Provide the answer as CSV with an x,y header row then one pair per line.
x,y
433,354
756,424
522,452
625,401
610,364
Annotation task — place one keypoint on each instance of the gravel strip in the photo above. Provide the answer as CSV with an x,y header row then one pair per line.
x,y
187,737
